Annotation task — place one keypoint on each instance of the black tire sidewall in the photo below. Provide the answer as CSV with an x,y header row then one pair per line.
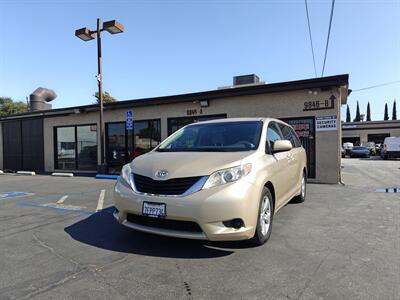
x,y
259,238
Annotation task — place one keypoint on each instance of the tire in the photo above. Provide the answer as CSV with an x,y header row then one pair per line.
x,y
303,192
263,230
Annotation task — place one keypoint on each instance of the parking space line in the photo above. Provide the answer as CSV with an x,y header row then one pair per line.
x,y
100,203
62,199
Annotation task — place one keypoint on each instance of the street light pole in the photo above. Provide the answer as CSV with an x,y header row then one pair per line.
x,y
86,34
103,164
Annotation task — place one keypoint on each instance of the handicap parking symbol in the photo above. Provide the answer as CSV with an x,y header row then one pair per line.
x,y
9,195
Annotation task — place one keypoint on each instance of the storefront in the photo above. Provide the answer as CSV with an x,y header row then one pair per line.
x,y
369,131
70,135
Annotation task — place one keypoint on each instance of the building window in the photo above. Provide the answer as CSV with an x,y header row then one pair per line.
x,y
122,145
116,144
177,123
87,147
76,147
146,136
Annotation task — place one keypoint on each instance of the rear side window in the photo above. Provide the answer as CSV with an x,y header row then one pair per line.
x,y
287,134
273,135
296,138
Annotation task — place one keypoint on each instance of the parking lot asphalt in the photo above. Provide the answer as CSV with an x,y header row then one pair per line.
x,y
342,243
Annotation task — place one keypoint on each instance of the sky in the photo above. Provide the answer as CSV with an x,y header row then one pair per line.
x,y
173,47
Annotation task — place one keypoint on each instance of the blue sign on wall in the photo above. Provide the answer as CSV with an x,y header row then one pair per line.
x,y
129,120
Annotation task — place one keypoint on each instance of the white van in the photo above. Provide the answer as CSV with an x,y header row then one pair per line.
x,y
391,148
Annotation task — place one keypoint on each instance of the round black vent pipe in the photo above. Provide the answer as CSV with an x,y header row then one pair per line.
x,y
39,99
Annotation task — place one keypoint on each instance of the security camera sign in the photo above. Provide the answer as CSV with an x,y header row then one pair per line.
x,y
326,123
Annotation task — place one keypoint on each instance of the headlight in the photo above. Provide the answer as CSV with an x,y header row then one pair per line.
x,y
227,175
126,174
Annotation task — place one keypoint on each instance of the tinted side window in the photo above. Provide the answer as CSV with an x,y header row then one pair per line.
x,y
296,138
287,134
273,135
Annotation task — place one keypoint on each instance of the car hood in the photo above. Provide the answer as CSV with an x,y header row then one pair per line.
x,y
186,164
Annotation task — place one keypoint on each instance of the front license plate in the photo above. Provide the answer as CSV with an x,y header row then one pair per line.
x,y
156,210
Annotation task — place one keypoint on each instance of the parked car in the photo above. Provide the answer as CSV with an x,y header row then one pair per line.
x,y
391,148
214,180
360,151
370,146
378,149
343,153
347,147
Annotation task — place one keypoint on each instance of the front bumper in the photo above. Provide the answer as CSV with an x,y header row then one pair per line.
x,y
360,155
208,208
391,154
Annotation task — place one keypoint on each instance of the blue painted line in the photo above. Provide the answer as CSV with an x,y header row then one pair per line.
x,y
84,212
10,195
55,196
106,176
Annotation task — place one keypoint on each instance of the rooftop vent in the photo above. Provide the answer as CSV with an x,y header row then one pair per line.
x,y
244,80
39,99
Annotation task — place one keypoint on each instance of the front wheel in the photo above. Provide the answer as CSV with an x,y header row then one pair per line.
x,y
265,217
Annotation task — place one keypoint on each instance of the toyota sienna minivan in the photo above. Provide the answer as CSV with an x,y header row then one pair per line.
x,y
216,180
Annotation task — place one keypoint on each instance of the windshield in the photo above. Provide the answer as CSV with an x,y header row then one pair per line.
x,y
215,137
359,148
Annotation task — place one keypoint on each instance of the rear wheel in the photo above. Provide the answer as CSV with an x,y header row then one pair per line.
x,y
265,217
303,191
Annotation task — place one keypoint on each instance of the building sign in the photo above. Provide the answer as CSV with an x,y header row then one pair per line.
x,y
327,123
320,104
129,120
194,111
349,126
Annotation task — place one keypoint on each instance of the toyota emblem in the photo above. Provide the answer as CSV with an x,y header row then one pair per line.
x,y
161,173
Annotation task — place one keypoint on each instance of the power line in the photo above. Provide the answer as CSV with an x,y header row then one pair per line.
x,y
376,86
329,33
309,33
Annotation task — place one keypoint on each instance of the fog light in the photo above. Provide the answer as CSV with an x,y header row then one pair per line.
x,y
234,223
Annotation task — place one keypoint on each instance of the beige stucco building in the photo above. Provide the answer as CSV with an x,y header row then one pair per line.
x,y
67,138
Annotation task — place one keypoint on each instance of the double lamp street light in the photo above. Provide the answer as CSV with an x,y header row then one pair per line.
x,y
86,34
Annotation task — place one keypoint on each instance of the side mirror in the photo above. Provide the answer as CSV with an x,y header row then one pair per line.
x,y
282,146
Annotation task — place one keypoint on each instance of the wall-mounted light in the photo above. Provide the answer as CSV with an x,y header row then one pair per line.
x,y
204,103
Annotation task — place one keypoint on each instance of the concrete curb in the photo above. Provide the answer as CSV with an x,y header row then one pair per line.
x,y
62,174
26,173
105,176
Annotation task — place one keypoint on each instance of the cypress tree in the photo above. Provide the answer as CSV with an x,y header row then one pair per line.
x,y
358,116
386,116
348,116
394,111
368,112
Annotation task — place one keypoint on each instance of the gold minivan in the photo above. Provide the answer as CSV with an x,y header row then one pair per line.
x,y
216,180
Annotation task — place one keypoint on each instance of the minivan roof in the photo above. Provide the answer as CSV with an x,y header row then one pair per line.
x,y
228,120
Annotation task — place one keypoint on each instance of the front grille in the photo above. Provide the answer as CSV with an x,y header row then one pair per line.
x,y
164,223
176,186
